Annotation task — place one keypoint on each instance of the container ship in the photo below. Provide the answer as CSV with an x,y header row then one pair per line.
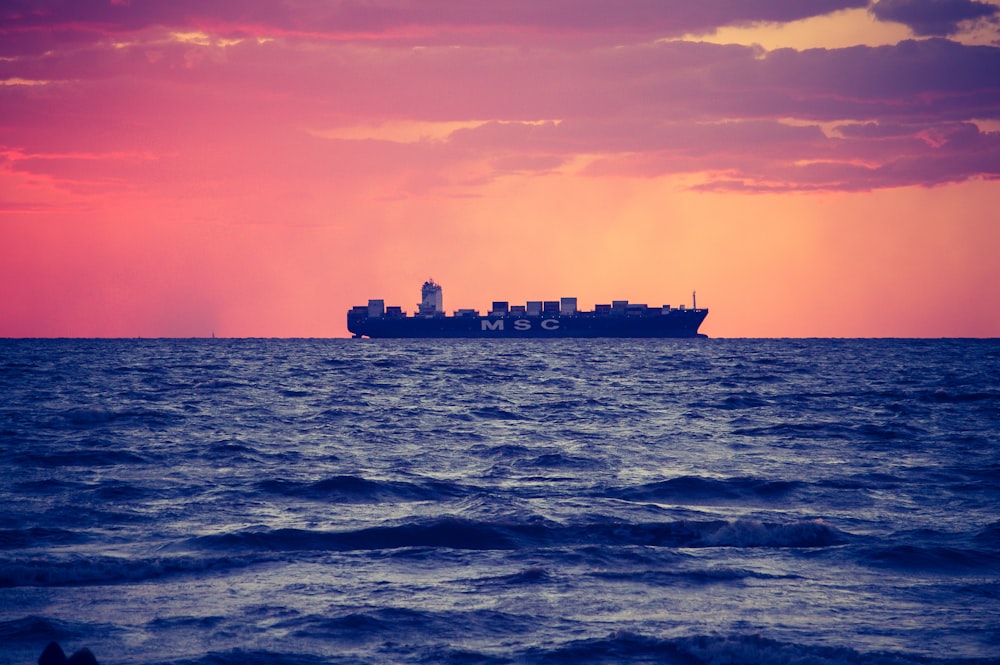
x,y
537,318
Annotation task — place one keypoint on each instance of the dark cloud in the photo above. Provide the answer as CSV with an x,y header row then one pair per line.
x,y
34,25
933,17
777,158
933,78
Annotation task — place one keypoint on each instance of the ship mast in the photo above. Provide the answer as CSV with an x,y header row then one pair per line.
x,y
694,300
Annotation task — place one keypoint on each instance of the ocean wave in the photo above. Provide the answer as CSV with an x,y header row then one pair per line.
x,y
829,430
495,413
90,570
957,395
752,533
92,417
355,489
212,385
185,622
399,623
875,480
697,577
448,533
810,430
738,401
618,647
456,533
390,628
35,536
529,576
691,489
990,535
115,491
78,456
628,647
35,629
936,558
262,657
558,460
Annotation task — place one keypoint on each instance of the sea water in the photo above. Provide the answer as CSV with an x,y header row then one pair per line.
x,y
599,501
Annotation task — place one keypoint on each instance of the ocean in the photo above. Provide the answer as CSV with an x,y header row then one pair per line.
x,y
300,502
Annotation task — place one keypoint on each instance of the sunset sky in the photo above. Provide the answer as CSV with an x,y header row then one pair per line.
x,y
174,168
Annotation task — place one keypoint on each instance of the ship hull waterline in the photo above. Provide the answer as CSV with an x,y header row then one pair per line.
x,y
677,324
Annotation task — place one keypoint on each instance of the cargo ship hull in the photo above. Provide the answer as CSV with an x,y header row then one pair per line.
x,y
678,323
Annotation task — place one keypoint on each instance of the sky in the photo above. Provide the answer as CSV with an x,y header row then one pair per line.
x,y
252,168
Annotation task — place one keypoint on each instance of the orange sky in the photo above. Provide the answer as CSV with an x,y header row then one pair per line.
x,y
179,169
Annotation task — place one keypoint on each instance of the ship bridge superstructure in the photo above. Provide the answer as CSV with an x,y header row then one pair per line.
x,y
431,299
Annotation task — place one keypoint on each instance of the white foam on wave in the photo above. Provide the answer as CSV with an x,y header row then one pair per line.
x,y
753,533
